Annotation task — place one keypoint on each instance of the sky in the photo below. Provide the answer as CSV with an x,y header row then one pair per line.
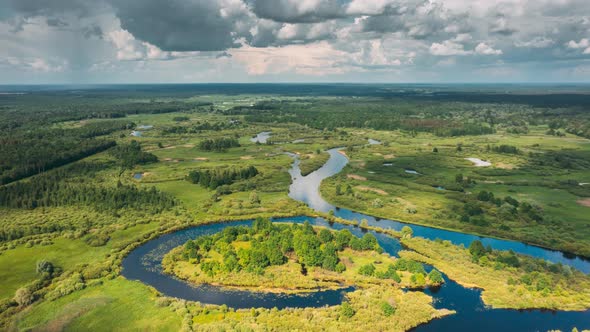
x,y
199,41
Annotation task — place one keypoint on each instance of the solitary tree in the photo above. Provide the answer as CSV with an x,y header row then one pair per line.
x,y
254,199
44,266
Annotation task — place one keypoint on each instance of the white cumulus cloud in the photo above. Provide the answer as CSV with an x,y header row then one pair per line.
x,y
485,49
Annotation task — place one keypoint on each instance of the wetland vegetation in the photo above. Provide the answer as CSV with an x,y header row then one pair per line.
x,y
72,207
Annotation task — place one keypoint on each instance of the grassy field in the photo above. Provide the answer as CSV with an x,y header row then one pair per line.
x,y
66,253
116,305
381,185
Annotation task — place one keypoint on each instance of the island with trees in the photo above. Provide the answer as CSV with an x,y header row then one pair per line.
x,y
271,257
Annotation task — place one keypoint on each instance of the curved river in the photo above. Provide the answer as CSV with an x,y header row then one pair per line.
x,y
144,264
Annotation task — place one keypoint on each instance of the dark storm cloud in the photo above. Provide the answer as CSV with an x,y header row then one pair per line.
x,y
56,22
51,8
176,25
93,31
298,11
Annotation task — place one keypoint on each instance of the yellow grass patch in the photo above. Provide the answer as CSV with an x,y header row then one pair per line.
x,y
375,190
356,177
504,166
584,202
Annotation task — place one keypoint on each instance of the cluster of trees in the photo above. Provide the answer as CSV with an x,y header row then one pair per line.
x,y
484,255
218,144
418,278
464,130
60,188
270,244
567,159
46,271
579,128
538,274
507,208
213,179
129,155
553,132
507,149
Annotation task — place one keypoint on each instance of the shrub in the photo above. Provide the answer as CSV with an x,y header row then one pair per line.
x,y
340,267
23,296
435,277
418,279
407,232
367,270
346,310
387,309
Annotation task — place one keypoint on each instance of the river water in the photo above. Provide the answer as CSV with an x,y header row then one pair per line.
x,y
261,137
144,264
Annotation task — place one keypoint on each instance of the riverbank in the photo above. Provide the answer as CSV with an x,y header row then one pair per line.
x,y
506,280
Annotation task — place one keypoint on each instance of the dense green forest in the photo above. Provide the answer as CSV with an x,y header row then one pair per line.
x,y
419,115
129,155
66,186
28,152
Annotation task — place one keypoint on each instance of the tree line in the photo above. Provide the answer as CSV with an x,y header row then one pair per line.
x,y
218,177
218,144
200,127
376,115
